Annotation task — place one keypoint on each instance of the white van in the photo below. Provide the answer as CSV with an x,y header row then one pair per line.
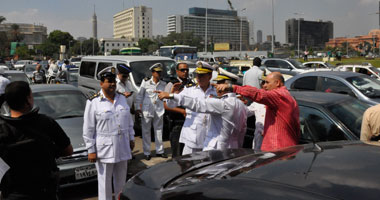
x,y
91,65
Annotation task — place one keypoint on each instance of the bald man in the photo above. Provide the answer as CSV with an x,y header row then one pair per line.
x,y
281,126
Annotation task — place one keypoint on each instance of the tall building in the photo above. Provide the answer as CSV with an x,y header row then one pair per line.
x,y
32,34
94,26
223,26
311,34
134,23
259,36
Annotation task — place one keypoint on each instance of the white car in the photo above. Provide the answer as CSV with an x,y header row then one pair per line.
x,y
318,65
20,64
363,69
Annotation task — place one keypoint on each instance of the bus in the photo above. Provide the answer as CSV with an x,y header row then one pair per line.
x,y
130,51
179,52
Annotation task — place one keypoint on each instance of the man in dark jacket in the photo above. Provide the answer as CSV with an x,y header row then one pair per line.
x,y
29,144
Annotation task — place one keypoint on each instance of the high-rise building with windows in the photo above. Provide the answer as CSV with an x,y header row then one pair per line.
x,y
134,23
223,26
259,36
311,33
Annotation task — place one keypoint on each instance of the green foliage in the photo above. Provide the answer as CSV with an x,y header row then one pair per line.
x,y
185,38
16,35
2,18
4,44
115,52
60,38
87,47
48,48
144,45
23,52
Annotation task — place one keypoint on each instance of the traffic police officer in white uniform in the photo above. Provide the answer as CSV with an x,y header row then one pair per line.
x,y
152,109
228,114
196,124
108,134
123,83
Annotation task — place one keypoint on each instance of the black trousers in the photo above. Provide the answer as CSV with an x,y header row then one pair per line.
x,y
176,146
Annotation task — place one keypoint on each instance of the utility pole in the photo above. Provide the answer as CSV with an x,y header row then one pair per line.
x,y
206,28
272,28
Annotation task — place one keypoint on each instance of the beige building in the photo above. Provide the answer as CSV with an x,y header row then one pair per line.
x,y
134,23
32,34
109,44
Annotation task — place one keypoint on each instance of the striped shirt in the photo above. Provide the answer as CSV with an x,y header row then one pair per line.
x,y
282,126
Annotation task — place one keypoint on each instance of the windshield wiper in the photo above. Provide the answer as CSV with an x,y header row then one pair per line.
x,y
68,116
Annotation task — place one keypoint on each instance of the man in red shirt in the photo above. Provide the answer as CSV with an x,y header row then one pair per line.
x,y
282,126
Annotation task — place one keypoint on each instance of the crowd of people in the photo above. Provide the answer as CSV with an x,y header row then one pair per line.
x,y
206,116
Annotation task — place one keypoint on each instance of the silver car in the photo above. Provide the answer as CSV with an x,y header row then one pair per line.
x,y
360,86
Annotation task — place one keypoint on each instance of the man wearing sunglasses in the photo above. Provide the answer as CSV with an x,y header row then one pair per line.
x,y
177,115
152,110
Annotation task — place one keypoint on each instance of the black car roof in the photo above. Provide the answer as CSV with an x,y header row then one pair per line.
x,y
321,98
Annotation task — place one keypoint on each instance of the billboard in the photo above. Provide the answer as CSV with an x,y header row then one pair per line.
x,y
221,46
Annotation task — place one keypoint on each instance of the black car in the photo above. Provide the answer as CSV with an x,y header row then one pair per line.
x,y
331,170
324,117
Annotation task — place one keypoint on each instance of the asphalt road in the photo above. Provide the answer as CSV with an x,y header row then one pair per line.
x,y
89,191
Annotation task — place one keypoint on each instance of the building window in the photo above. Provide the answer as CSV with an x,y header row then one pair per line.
x,y
129,44
123,44
113,44
107,44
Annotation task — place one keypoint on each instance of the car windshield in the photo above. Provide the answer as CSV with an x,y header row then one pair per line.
x,y
367,85
329,65
231,69
60,104
350,113
376,70
297,64
76,59
17,77
221,59
30,68
141,70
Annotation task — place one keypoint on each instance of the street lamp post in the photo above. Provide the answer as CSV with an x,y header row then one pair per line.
x,y
206,28
241,29
299,26
272,28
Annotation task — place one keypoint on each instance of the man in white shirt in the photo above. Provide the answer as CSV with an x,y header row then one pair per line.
x,y
253,76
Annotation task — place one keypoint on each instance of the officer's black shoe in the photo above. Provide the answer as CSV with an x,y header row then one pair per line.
x,y
148,157
162,155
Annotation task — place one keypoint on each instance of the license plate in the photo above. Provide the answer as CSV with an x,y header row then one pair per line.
x,y
85,172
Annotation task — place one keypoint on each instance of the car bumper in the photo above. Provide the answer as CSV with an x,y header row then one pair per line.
x,y
77,173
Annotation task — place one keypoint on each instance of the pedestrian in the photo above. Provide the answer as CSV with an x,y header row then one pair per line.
x,y
108,134
254,75
152,110
65,65
39,75
281,126
29,144
370,131
228,114
3,83
196,124
177,115
124,85
52,71
305,54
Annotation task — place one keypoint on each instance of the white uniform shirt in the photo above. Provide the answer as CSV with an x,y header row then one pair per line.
x,y
228,119
149,100
53,70
195,127
108,128
127,87
3,83
252,77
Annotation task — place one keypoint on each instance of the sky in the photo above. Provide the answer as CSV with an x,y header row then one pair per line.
x,y
350,17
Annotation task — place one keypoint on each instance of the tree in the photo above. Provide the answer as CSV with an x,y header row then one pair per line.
x,y
48,48
60,38
22,52
144,44
87,47
2,18
17,37
185,38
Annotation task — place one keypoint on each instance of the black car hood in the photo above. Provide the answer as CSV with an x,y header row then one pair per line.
x,y
328,170
73,127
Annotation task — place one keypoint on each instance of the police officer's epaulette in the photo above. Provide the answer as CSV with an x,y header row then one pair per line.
x,y
146,78
94,96
190,85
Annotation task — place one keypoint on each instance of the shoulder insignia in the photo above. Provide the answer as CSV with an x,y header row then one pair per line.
x,y
146,78
94,96
190,85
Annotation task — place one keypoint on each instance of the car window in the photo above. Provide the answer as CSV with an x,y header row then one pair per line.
x,y
271,63
60,104
297,64
334,86
367,85
17,77
102,65
315,126
283,64
87,69
309,65
305,83
350,113
141,70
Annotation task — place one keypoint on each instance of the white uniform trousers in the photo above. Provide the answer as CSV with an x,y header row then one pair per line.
x,y
189,150
146,125
107,171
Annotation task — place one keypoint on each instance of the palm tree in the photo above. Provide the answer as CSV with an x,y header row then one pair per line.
x,y
2,19
16,33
